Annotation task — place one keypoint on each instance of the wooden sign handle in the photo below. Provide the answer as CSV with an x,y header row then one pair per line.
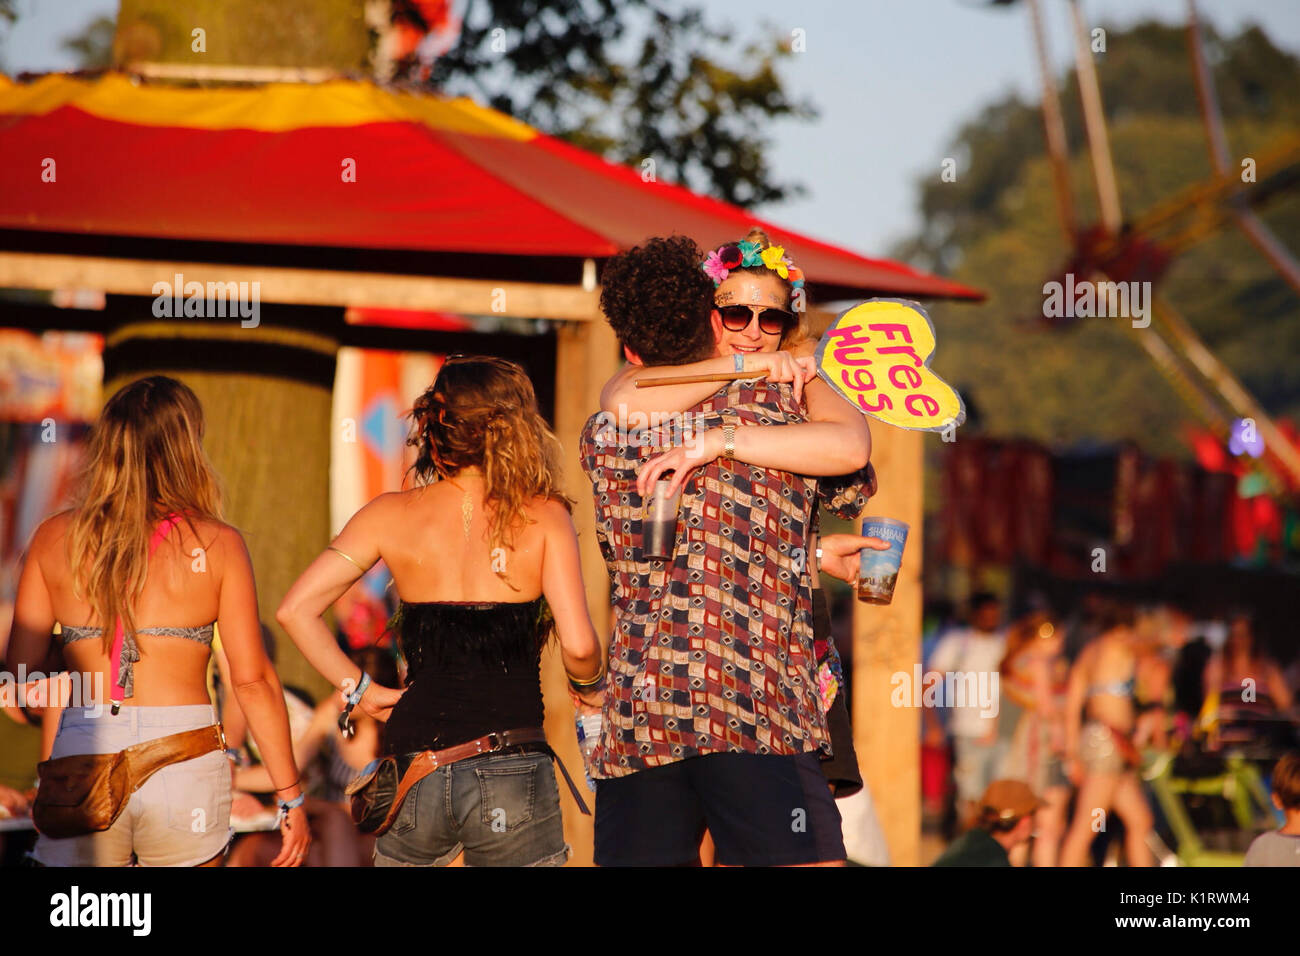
x,y
688,379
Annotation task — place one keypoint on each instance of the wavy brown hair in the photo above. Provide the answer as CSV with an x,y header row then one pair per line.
x,y
144,460
482,412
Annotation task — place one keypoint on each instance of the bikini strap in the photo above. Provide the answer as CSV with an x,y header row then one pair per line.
x,y
125,653
162,531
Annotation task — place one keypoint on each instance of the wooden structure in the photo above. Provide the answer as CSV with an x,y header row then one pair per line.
x,y
450,208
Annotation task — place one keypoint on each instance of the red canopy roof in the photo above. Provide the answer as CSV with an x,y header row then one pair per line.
x,y
266,165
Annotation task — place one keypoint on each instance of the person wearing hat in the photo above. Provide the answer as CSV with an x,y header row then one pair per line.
x,y
1006,820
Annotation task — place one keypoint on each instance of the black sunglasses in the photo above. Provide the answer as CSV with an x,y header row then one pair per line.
x,y
736,318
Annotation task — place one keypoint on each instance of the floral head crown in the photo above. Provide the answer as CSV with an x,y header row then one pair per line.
x,y
739,255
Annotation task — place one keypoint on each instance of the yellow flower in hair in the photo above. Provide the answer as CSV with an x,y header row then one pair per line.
x,y
772,257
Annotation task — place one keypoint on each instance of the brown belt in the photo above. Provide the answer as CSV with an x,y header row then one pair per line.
x,y
427,761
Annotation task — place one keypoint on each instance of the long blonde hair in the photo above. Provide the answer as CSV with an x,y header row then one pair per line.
x,y
482,412
144,460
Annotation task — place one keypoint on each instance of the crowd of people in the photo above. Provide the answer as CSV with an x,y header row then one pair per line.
x,y
725,735
1084,701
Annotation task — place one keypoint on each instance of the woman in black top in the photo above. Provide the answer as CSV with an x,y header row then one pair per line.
x,y
484,556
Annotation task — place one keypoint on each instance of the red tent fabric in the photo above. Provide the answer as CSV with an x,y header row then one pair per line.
x,y
348,164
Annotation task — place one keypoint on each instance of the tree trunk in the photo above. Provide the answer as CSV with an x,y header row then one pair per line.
x,y
267,394
328,34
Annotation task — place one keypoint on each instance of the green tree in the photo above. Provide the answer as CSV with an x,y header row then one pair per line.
x,y
93,46
631,80
328,34
7,16
996,227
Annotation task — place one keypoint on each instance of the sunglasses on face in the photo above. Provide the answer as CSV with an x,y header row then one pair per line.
x,y
736,318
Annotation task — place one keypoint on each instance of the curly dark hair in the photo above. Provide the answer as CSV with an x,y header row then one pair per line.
x,y
658,298
481,411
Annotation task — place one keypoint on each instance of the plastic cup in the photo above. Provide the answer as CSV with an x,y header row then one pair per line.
x,y
878,571
659,524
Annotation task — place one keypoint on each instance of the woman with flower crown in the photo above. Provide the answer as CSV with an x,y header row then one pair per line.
x,y
669,304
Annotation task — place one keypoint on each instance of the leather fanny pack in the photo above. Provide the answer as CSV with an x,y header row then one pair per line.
x,y
1124,744
377,793
85,793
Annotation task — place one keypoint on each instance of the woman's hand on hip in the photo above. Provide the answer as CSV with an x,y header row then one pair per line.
x,y
378,700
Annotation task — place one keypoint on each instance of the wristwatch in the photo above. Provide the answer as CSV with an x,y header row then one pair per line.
x,y
729,441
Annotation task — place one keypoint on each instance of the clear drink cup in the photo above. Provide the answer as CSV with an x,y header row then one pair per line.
x,y
659,523
878,571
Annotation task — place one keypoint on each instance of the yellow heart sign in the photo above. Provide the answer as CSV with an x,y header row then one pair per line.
x,y
877,355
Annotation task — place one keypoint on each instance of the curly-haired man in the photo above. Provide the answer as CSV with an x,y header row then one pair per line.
x,y
711,713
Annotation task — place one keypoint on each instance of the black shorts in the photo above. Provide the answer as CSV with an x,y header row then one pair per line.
x,y
761,809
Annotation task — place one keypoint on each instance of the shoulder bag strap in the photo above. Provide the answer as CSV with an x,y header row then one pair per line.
x,y
146,759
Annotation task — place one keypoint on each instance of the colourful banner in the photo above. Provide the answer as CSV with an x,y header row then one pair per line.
x,y
56,375
877,355
373,390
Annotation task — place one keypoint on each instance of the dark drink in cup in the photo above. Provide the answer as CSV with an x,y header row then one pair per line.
x,y
659,524
878,571
660,536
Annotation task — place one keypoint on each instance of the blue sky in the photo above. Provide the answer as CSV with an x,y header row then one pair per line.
x,y
893,79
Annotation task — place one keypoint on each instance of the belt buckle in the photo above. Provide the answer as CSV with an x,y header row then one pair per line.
x,y
495,742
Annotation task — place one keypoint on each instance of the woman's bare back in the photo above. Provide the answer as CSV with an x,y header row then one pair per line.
x,y
182,588
433,557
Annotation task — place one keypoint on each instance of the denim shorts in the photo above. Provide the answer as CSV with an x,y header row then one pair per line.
x,y
501,809
180,817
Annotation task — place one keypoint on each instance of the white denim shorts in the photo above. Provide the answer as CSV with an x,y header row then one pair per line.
x,y
180,817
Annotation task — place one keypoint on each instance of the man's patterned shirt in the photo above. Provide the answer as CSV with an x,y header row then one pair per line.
x,y
711,651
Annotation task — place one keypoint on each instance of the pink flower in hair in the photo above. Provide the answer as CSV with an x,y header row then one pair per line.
x,y
714,268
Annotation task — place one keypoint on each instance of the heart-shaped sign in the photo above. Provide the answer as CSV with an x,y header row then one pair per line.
x,y
877,355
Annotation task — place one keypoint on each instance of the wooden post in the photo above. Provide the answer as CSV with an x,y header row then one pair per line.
x,y
587,355
887,640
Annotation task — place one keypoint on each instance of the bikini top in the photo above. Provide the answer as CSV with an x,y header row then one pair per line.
x,y
1117,688
125,650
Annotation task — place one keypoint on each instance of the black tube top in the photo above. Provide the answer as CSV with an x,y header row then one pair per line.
x,y
471,669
